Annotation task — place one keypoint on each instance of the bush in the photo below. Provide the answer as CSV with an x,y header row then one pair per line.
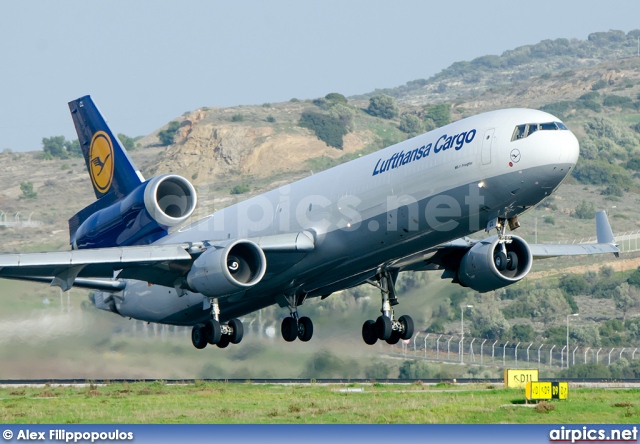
x,y
574,284
27,191
439,114
237,118
598,85
416,370
344,113
129,143
327,128
240,189
522,333
614,100
598,172
336,98
584,210
634,279
167,135
612,190
411,124
549,220
270,119
383,106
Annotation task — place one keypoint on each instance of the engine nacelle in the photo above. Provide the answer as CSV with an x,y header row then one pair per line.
x,y
142,217
231,269
486,267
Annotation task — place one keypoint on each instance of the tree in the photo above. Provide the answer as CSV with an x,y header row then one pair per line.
x,y
625,298
54,146
27,191
522,332
336,98
129,143
384,106
574,284
416,370
439,114
328,128
167,135
73,148
634,279
344,114
585,210
411,124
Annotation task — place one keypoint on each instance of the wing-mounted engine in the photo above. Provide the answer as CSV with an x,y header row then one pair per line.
x,y
228,269
491,263
142,217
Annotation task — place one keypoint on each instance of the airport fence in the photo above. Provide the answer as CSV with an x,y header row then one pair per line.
x,y
475,351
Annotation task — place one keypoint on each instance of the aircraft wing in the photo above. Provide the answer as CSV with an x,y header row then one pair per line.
x,y
156,264
447,256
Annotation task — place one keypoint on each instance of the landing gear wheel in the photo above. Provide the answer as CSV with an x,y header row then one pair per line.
x,y
500,260
224,341
407,323
369,333
305,329
512,261
213,332
384,327
289,329
198,336
238,331
395,337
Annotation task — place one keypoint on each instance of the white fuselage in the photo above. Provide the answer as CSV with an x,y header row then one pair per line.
x,y
381,207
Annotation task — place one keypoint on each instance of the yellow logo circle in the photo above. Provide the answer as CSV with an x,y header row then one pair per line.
x,y
101,161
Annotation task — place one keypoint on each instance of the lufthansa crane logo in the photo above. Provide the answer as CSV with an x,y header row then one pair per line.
x,y
101,161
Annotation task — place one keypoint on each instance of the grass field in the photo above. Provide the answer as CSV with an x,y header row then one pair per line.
x,y
209,402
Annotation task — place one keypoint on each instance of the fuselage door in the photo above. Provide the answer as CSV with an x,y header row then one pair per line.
x,y
486,146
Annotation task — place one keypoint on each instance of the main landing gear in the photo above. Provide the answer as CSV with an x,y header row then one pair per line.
x,y
213,332
294,327
386,327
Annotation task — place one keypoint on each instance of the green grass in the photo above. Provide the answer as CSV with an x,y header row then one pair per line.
x,y
201,402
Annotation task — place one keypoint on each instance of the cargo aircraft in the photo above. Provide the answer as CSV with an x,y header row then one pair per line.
x,y
408,207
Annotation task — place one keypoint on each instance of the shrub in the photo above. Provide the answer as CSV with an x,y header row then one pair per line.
x,y
411,124
597,172
614,100
336,98
584,210
574,284
27,191
128,142
240,189
598,85
345,114
612,190
167,135
237,118
327,128
383,106
270,118
549,220
439,114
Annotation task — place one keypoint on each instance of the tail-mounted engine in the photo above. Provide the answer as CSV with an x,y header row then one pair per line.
x,y
142,217
494,263
221,271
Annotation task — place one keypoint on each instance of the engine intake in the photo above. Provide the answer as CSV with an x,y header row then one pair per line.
x,y
235,267
170,199
487,266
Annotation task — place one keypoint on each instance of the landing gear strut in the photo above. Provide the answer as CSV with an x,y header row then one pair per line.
x,y
503,259
294,327
386,327
213,332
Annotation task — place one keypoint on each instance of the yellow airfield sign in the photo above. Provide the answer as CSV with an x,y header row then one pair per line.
x,y
535,390
519,378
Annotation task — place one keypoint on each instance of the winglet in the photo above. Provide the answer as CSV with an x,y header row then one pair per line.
x,y
603,229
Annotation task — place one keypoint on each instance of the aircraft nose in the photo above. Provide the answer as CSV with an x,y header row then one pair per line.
x,y
572,149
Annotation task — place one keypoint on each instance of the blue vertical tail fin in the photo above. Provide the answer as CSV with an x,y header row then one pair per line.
x,y
112,172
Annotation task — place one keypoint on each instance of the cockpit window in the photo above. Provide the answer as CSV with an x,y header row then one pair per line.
x,y
522,131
